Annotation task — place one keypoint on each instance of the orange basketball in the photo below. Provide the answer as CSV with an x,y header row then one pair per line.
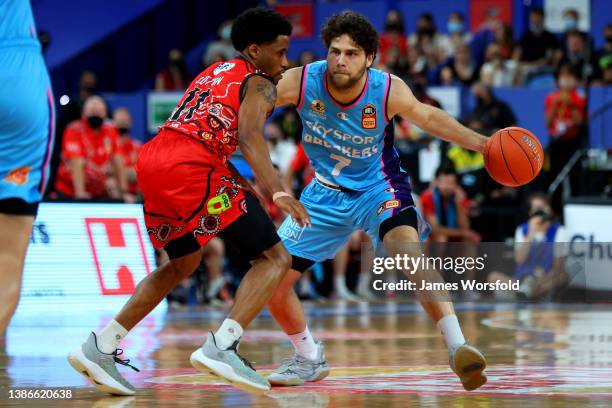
x,y
513,156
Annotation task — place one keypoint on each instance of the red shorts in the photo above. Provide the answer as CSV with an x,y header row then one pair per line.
x,y
186,189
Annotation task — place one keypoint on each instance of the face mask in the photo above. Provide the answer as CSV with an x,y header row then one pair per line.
x,y
226,33
454,27
95,122
393,26
570,23
536,28
426,31
567,83
123,130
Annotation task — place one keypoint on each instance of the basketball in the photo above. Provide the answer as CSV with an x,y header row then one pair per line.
x,y
513,156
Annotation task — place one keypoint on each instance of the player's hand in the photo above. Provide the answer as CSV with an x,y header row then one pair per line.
x,y
295,209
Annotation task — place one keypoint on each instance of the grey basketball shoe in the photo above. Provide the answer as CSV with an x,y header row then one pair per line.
x,y
298,370
228,364
99,367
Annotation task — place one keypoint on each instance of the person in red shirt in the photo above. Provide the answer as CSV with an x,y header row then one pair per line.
x,y
193,194
128,147
566,114
444,207
90,155
393,36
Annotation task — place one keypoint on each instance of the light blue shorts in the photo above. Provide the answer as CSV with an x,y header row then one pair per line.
x,y
336,215
27,123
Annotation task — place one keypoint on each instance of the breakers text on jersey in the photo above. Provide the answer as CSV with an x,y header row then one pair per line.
x,y
329,138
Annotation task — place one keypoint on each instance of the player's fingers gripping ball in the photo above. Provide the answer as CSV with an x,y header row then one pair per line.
x,y
513,156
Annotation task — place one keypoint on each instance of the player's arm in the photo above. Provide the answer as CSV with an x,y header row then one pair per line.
x,y
433,120
288,88
258,102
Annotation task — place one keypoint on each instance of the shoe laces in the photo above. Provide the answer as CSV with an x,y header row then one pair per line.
x,y
234,348
125,362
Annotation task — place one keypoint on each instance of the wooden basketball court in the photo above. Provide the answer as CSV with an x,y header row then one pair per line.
x,y
381,354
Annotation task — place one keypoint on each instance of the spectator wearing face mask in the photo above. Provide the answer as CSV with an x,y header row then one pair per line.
x,y
571,19
457,35
175,76
537,46
221,49
428,41
393,37
90,154
128,147
565,117
578,55
498,71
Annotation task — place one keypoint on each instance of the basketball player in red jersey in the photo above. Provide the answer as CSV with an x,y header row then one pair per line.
x,y
192,194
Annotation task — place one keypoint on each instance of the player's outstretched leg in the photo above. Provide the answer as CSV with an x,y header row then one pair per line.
x,y
465,360
97,357
308,363
219,353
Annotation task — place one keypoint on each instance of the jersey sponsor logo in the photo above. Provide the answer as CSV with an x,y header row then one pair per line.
x,y
18,176
388,205
118,252
341,116
291,231
226,66
218,204
368,117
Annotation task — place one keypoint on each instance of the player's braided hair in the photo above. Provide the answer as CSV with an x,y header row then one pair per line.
x,y
355,26
258,26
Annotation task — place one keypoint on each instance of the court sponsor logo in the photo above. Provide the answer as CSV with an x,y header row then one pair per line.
x,y
118,252
505,381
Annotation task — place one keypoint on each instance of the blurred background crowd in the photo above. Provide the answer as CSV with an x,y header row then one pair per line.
x,y
97,141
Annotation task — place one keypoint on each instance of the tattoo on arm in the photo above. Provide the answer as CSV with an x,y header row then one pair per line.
x,y
268,90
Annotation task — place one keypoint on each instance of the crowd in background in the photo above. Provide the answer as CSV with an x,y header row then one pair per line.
x,y
459,200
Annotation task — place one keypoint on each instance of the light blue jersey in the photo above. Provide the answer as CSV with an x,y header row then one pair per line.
x,y
359,183
349,145
27,114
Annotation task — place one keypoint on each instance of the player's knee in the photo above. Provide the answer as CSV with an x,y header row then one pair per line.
x,y
10,293
283,260
185,265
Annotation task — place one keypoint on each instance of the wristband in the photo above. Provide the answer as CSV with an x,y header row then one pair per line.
x,y
280,194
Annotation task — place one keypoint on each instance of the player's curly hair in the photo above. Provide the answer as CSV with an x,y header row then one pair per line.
x,y
355,26
258,26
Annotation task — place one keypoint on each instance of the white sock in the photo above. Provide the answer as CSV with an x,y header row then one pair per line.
x,y
364,284
228,333
340,285
449,326
108,338
304,344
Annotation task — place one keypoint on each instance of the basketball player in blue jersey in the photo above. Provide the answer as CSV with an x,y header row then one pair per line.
x,y
26,141
347,109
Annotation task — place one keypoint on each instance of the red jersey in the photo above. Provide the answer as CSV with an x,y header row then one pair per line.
x,y
563,125
128,148
96,148
208,112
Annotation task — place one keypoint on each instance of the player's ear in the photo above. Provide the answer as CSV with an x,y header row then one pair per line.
x,y
370,59
253,51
